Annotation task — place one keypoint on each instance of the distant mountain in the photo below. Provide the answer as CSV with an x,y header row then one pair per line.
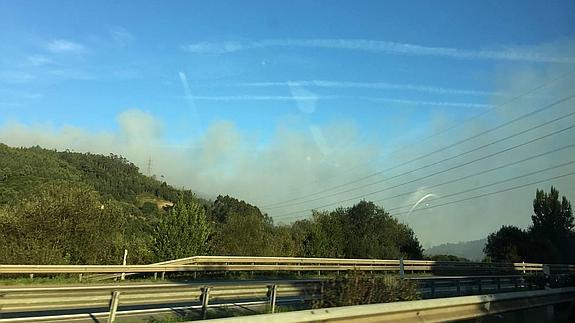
x,y
472,250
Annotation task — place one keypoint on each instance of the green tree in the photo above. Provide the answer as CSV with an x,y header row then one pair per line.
x,y
552,236
361,231
183,232
322,235
508,244
242,229
244,235
61,223
551,214
371,232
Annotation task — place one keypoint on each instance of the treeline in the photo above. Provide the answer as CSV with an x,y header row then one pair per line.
x,y
72,208
549,239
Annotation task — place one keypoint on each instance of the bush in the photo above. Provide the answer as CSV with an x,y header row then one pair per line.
x,y
358,288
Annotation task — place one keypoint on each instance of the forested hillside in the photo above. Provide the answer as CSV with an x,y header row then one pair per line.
x,y
23,169
81,208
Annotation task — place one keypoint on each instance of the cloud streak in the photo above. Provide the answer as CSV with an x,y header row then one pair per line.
x,y
381,47
314,98
372,85
63,46
16,77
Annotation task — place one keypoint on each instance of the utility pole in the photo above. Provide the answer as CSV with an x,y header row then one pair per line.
x,y
149,167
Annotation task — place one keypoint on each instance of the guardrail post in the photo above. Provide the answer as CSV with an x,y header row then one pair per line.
x,y
546,274
205,301
498,281
277,271
458,286
123,277
80,277
155,276
31,276
523,265
401,271
272,292
479,287
550,309
114,306
163,275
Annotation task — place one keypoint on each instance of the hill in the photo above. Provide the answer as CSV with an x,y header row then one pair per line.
x,y
23,169
472,250
62,207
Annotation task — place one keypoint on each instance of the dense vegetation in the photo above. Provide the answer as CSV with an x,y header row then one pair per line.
x,y
82,208
549,239
359,288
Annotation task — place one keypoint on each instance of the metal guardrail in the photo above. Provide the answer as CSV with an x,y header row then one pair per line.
x,y
431,287
33,304
433,310
223,263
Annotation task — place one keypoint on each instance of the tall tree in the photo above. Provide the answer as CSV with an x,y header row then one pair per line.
x,y
552,236
183,232
550,214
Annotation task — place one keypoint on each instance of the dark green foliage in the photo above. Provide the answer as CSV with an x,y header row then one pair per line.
x,y
552,235
361,231
509,244
550,239
116,177
552,215
51,212
23,169
241,229
149,208
62,223
28,207
358,288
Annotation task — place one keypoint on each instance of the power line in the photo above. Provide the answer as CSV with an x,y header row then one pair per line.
x,y
443,171
481,172
427,154
491,193
455,125
428,165
491,184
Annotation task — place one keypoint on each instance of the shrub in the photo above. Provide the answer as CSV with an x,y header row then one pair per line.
x,y
358,288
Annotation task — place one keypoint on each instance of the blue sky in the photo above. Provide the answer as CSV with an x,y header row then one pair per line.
x,y
82,63
269,100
